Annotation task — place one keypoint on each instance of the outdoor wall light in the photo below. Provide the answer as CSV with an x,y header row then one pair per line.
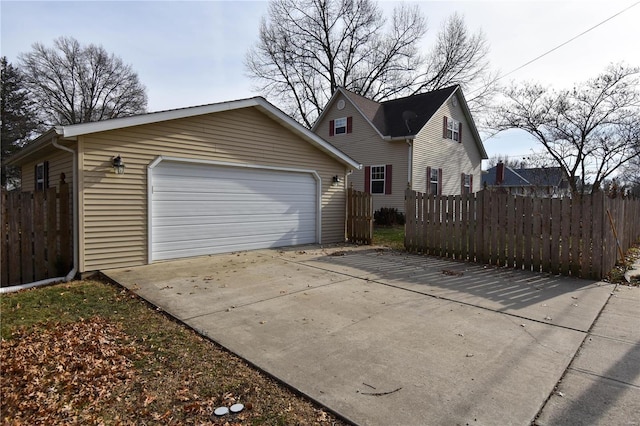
x,y
336,180
118,165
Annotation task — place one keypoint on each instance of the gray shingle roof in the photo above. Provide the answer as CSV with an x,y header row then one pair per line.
x,y
538,176
403,116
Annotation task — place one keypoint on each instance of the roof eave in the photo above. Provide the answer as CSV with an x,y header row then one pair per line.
x,y
472,123
258,101
34,146
307,134
340,90
155,117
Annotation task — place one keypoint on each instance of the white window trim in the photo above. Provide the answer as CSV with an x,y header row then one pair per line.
x,y
453,129
384,179
40,181
467,183
336,126
434,173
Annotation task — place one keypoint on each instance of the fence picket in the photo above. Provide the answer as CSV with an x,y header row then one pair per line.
x,y
359,217
39,243
31,226
565,235
569,236
26,239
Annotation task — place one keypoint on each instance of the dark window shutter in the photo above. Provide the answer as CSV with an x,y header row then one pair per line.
x,y
367,179
462,176
35,178
429,180
471,183
460,132
349,124
439,181
444,127
45,184
387,179
331,127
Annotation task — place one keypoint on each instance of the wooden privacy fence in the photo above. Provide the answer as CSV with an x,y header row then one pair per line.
x,y
569,236
36,235
359,217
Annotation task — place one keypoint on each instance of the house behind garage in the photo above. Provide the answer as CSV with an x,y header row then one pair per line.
x,y
209,179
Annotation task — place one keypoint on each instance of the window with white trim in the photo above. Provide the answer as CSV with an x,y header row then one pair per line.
x,y
377,179
40,177
434,182
340,126
453,129
466,184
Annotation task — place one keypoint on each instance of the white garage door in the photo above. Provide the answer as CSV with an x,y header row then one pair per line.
x,y
200,209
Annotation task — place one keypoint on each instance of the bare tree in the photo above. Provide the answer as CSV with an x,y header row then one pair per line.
x,y
630,175
309,48
512,162
77,84
459,57
590,131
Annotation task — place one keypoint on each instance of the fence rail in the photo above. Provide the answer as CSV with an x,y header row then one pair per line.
x,y
558,235
359,217
36,235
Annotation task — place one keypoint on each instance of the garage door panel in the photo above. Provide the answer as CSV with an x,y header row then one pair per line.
x,y
207,209
304,219
205,187
203,245
175,233
181,210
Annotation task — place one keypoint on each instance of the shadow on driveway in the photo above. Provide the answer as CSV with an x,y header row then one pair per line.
x,y
564,301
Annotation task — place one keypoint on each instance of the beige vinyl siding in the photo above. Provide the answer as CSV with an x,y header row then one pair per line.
x,y
114,213
365,145
59,162
432,150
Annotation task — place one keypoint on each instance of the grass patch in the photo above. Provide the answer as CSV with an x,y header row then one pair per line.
x,y
173,375
390,236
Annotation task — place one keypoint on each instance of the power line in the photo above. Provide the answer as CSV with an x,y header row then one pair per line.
x,y
568,41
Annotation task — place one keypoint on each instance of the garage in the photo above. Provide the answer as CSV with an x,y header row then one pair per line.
x,y
200,208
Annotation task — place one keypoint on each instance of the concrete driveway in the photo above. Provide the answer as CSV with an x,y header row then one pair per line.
x,y
385,338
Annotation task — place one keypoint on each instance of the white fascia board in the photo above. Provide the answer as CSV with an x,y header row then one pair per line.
x,y
324,111
470,121
155,117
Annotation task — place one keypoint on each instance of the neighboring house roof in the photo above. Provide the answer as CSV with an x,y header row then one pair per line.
x,y
74,130
404,117
537,176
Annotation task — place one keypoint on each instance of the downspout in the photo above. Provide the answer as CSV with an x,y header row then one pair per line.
x,y
74,270
410,165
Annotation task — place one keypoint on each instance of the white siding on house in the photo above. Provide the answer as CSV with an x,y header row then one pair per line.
x,y
114,207
431,149
366,146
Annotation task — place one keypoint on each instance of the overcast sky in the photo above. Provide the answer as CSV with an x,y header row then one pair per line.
x,y
192,53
